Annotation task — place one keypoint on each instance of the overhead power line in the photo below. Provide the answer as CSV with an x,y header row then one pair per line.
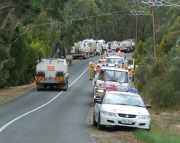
x,y
139,12
153,4
86,17
82,18
99,15
159,3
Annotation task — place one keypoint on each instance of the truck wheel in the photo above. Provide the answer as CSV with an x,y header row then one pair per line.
x,y
44,87
38,89
66,86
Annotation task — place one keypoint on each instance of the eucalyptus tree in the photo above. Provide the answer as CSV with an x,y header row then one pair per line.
x,y
23,35
11,12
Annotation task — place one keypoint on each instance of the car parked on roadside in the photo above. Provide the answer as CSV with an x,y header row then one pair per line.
x,y
116,108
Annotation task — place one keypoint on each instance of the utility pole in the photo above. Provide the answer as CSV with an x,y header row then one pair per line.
x,y
136,42
153,4
154,31
137,13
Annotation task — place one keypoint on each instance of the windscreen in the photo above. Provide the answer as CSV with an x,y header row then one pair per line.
x,y
123,99
114,60
111,75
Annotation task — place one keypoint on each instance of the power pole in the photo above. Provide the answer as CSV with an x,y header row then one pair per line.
x,y
154,31
137,13
136,42
153,4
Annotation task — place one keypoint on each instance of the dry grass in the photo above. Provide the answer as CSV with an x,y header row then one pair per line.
x,y
10,93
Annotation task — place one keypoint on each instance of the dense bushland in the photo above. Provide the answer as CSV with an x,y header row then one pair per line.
x,y
159,78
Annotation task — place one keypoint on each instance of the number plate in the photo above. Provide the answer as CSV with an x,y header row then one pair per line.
x,y
121,88
126,121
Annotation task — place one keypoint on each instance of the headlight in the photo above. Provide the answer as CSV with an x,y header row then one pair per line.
x,y
109,114
144,117
100,90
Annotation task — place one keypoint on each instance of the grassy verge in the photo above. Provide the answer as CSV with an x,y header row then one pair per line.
x,y
165,128
156,137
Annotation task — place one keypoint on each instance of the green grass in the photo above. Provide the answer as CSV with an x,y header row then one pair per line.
x,y
156,137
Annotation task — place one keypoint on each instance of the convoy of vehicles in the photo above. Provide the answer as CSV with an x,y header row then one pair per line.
x,y
116,102
90,47
52,72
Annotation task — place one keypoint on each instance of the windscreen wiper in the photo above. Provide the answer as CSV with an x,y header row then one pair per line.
x,y
111,80
138,105
121,104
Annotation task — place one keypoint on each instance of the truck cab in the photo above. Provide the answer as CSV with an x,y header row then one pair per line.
x,y
110,78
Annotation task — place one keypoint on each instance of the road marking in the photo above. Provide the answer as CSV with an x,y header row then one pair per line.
x,y
23,115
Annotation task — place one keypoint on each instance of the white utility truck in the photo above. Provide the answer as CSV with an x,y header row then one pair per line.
x,y
100,44
110,78
80,50
52,72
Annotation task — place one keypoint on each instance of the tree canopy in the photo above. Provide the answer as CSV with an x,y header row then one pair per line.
x,y
30,29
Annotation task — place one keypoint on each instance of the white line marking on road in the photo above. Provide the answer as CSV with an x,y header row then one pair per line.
x,y
23,115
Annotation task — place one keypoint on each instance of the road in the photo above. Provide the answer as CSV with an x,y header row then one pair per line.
x,y
51,116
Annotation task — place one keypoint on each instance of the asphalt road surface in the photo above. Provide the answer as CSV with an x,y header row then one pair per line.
x,y
51,116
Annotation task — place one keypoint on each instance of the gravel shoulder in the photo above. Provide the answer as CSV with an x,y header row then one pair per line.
x,y
10,93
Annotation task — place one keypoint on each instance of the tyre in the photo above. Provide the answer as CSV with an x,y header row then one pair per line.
x,y
66,86
94,121
43,87
38,89
99,126
149,128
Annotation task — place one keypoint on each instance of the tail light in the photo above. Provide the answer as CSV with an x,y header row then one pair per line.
x,y
59,74
41,73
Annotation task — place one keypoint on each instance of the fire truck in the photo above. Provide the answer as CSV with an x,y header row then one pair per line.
x,y
84,49
52,72
110,78
80,50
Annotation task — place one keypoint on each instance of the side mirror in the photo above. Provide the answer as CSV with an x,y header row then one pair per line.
x,y
148,106
67,76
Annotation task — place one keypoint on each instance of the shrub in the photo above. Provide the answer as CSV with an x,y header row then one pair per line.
x,y
162,93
